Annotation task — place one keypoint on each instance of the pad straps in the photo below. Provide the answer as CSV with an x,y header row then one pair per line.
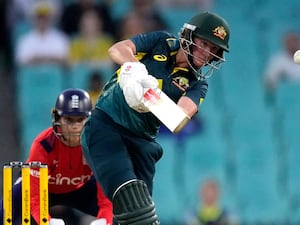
x,y
133,205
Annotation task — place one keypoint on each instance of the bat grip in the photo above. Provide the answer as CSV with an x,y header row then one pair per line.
x,y
181,125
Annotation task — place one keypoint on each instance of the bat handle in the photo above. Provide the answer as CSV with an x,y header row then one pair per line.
x,y
181,125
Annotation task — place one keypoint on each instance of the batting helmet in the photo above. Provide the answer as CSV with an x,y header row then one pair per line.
x,y
207,26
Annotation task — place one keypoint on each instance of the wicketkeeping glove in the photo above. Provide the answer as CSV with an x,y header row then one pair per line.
x,y
132,71
56,221
99,222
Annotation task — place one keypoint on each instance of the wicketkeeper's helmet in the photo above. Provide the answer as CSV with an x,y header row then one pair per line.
x,y
72,102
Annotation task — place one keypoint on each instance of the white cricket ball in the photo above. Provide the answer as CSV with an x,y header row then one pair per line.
x,y
297,57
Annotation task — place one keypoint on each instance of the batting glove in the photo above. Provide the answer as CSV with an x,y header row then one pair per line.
x,y
133,92
149,81
132,71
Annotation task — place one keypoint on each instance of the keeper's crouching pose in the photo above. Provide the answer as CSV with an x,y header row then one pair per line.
x,y
118,139
71,182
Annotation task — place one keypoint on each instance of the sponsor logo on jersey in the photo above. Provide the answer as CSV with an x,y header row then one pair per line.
x,y
160,58
58,179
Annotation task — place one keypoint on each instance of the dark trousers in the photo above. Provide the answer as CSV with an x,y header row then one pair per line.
x,y
116,155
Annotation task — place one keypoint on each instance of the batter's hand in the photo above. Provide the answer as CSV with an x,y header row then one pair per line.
x,y
132,71
133,92
149,81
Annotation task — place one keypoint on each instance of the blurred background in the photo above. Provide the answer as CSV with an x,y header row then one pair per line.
x,y
246,135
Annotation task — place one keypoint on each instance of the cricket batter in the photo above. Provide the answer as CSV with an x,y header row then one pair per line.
x,y
71,181
118,139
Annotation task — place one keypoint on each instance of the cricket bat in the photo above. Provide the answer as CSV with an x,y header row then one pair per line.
x,y
167,111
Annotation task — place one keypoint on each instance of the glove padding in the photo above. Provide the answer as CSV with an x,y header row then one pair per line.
x,y
134,91
56,221
99,222
149,81
132,71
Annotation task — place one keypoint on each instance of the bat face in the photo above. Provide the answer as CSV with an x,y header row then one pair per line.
x,y
167,111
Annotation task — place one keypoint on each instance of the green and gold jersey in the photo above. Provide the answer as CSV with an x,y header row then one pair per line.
x,y
157,50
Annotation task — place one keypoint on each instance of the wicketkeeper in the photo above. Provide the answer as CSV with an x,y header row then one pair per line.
x,y
71,181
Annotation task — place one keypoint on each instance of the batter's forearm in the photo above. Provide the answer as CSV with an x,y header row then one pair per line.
x,y
122,52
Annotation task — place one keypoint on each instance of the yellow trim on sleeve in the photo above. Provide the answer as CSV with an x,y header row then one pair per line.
x,y
201,100
140,55
176,69
160,83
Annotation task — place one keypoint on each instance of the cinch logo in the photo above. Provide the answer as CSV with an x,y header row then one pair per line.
x,y
160,58
60,180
